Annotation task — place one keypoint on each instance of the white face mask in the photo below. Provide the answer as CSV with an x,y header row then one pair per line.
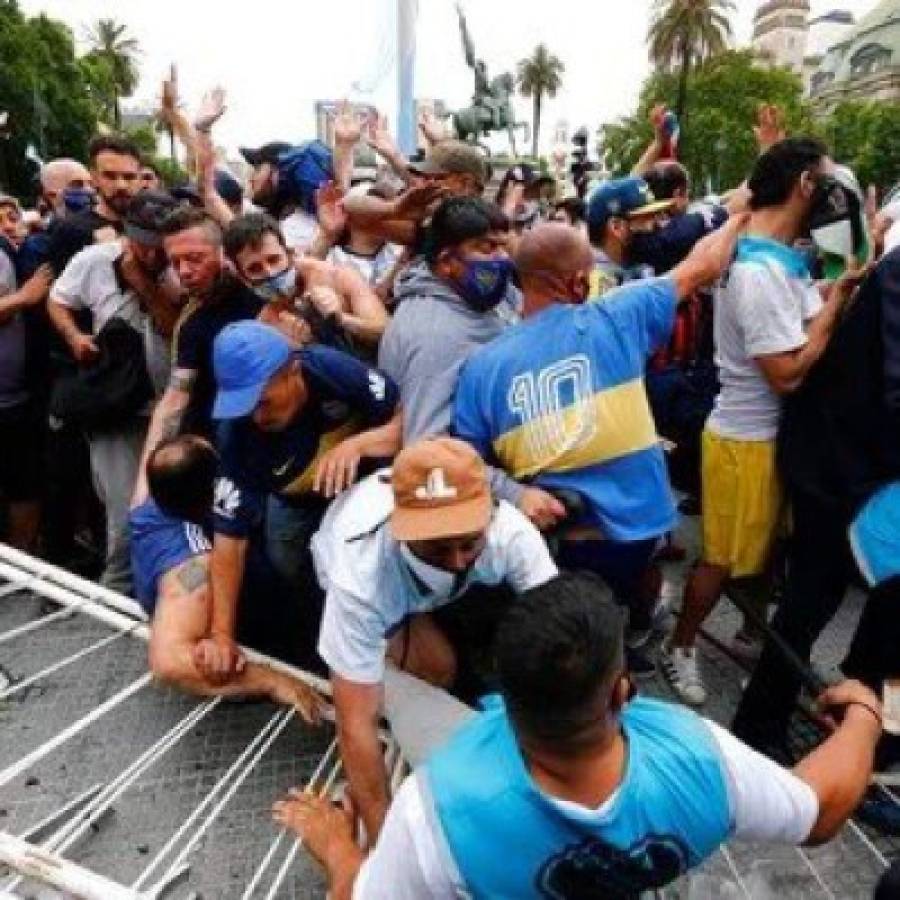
x,y
439,582
280,285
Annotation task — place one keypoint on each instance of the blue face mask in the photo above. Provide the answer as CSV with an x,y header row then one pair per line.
x,y
280,285
78,200
484,282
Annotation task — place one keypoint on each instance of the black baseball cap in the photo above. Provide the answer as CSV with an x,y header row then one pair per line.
x,y
146,216
268,153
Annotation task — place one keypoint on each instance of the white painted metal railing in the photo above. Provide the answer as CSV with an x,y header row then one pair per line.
x,y
36,856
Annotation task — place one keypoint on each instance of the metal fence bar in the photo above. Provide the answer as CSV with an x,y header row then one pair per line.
x,y
26,762
295,848
61,664
220,785
729,859
42,622
62,839
180,860
263,867
48,868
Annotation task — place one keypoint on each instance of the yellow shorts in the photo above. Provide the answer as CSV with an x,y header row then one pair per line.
x,y
742,503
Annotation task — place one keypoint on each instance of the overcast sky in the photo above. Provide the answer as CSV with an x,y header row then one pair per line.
x,y
275,57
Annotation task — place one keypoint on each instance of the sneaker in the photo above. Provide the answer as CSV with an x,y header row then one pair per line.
x,y
679,665
640,666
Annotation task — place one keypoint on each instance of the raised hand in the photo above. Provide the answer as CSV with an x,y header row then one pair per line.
x,y
347,125
769,128
211,109
658,119
378,137
168,101
330,210
431,127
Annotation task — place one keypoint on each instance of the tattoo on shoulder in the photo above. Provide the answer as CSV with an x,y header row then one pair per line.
x,y
192,574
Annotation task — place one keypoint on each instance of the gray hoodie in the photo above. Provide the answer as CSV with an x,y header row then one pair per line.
x,y
431,335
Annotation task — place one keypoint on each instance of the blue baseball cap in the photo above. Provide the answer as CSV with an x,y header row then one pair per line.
x,y
245,356
623,198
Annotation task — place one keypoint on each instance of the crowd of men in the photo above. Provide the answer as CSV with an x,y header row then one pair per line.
x,y
425,444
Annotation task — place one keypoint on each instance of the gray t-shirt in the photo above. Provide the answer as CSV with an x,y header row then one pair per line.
x,y
760,310
13,388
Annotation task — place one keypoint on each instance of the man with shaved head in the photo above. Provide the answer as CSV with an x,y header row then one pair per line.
x,y
65,184
559,402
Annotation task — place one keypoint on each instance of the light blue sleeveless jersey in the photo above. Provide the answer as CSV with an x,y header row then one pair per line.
x,y
511,842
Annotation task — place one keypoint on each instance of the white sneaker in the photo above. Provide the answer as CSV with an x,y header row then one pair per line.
x,y
679,666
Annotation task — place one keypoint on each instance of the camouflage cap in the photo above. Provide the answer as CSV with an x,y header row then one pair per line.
x,y
454,157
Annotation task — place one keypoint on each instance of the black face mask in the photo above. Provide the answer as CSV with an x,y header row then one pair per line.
x,y
834,220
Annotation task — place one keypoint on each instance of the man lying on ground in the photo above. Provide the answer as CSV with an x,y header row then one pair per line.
x,y
570,785
170,548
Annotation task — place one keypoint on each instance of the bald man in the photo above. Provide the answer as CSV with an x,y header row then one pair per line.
x,y
559,401
60,176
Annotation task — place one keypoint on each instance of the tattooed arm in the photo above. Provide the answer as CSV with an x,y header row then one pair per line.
x,y
180,623
165,423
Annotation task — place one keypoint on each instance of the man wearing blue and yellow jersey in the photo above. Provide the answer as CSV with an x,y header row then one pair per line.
x,y
294,428
559,401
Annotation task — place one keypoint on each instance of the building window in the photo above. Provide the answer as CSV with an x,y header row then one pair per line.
x,y
820,81
869,59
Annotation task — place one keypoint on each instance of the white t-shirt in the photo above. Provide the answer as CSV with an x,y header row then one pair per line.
x,y
412,860
90,281
369,591
299,228
759,310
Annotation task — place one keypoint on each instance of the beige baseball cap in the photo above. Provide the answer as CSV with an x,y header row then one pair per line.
x,y
440,491
452,157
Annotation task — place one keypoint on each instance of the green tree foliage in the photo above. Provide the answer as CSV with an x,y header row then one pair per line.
x,y
866,137
44,93
539,76
686,33
719,148
117,53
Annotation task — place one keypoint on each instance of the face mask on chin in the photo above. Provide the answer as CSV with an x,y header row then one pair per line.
x,y
440,582
280,285
484,282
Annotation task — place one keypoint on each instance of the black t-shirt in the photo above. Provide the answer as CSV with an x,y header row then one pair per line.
x,y
72,234
198,327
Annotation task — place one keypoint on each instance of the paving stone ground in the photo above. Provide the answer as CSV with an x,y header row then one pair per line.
x,y
147,815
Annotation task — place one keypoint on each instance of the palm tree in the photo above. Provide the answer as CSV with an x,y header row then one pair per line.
x,y
539,75
683,32
112,46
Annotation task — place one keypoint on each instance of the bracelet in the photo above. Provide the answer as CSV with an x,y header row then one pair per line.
x,y
878,717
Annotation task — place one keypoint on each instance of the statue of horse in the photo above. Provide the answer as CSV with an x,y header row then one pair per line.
x,y
491,112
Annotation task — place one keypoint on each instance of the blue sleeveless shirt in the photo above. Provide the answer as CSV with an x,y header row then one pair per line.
x,y
510,840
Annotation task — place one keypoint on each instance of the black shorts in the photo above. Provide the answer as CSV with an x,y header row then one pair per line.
x,y
21,453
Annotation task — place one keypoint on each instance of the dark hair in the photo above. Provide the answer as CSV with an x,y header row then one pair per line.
x,y
153,166
181,474
460,219
666,178
113,143
186,217
557,648
779,169
150,210
248,231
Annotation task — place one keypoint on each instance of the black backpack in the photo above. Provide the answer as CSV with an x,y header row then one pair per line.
x,y
111,391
